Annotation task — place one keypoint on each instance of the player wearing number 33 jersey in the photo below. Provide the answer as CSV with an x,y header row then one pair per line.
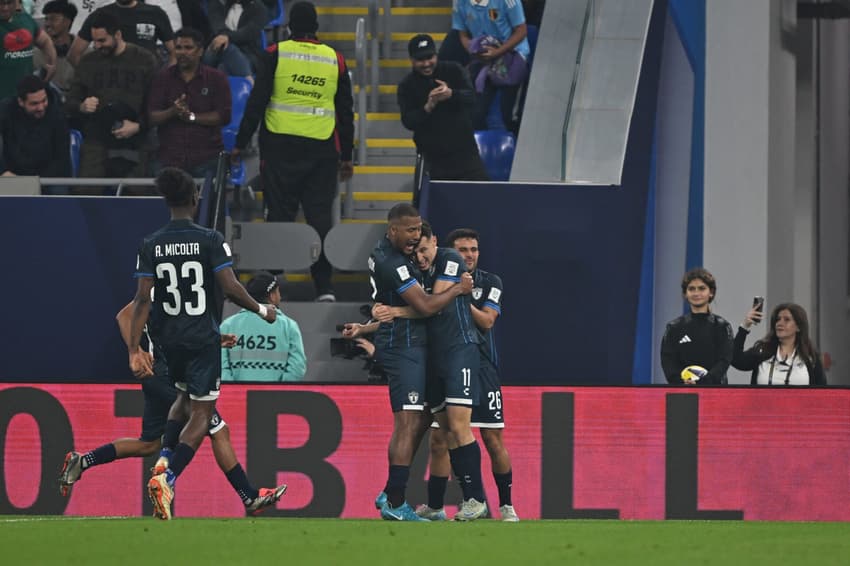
x,y
183,257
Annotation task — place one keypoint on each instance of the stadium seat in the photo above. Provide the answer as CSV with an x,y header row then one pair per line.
x,y
240,89
533,33
277,21
497,152
76,142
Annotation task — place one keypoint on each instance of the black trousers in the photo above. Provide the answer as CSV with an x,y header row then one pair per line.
x,y
311,183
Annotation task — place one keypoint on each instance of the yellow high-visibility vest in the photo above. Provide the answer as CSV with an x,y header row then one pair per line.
x,y
305,82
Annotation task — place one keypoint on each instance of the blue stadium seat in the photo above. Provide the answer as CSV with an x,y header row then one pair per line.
x,y
277,22
76,142
240,89
497,152
533,33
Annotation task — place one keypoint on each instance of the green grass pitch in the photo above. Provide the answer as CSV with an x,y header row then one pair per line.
x,y
71,540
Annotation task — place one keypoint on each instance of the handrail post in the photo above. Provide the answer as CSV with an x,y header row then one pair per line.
x,y
360,54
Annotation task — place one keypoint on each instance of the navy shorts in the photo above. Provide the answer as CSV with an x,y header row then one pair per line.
x,y
405,369
453,376
195,370
488,413
159,396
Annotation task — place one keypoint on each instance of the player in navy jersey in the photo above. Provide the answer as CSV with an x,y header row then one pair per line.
x,y
183,263
453,362
400,348
159,394
488,415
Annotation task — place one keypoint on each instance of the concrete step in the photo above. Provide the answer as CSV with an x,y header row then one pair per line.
x,y
384,125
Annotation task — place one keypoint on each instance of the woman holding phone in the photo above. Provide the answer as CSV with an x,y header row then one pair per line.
x,y
786,355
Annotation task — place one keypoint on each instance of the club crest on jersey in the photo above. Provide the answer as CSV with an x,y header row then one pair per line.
x,y
494,294
403,272
451,268
476,293
413,397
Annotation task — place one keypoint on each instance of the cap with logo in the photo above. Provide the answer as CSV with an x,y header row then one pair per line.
x,y
421,47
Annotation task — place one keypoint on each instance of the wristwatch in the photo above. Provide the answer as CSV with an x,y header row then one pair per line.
x,y
191,116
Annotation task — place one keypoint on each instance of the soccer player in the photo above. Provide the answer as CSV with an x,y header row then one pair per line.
x,y
183,262
400,348
453,362
159,395
487,415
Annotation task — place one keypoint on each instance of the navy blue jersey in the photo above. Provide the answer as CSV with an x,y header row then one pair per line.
x,y
487,292
391,274
183,258
453,324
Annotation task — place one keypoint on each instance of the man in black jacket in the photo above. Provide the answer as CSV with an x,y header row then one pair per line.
x,y
436,100
35,133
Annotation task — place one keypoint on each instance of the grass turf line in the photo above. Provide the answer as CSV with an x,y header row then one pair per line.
x,y
43,540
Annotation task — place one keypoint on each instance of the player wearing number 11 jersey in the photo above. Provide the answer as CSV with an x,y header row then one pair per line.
x,y
184,262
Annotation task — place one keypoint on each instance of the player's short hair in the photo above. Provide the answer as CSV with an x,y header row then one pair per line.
x,y
704,275
192,34
104,20
402,210
176,186
28,85
460,234
427,230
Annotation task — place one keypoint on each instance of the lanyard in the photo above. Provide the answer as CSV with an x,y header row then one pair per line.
x,y
773,362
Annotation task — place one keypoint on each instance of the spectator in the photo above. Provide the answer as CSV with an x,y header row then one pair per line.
x,y
263,352
700,337
786,355
140,24
112,112
185,14
303,94
18,35
34,131
436,100
58,17
503,22
189,103
237,25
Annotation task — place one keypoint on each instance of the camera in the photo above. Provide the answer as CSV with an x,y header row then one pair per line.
x,y
345,348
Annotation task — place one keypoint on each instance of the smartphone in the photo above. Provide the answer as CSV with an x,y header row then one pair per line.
x,y
758,304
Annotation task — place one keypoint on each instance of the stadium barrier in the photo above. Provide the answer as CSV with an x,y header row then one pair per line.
x,y
578,452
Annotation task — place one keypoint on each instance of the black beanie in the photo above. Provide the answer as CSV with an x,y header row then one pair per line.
x,y
303,18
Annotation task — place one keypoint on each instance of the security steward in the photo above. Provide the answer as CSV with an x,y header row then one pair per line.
x,y
303,98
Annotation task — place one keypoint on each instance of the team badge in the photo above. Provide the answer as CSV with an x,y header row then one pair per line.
x,y
494,294
413,397
205,91
451,268
476,293
493,13
403,272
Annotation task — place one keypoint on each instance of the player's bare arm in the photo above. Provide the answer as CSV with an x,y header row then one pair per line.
x,y
485,317
140,364
234,291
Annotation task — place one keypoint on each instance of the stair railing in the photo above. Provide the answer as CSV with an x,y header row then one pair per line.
x,y
360,57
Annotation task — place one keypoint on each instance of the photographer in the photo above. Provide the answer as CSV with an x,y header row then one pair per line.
x,y
353,345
